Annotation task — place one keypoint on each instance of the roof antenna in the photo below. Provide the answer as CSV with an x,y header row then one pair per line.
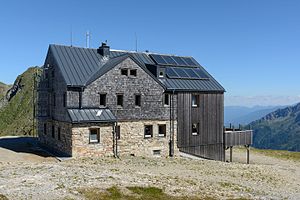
x,y
136,42
71,36
87,35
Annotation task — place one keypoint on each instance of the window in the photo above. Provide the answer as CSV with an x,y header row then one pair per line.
x,y
64,99
94,135
45,129
156,152
54,99
52,73
118,132
133,72
195,100
53,131
102,99
124,72
167,99
162,130
195,129
148,131
58,133
161,74
120,100
138,100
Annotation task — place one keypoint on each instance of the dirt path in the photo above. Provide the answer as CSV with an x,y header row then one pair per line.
x,y
45,178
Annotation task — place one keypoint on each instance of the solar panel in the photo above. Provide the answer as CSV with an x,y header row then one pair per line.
x,y
173,60
171,73
179,61
169,60
158,59
191,73
201,73
189,61
181,72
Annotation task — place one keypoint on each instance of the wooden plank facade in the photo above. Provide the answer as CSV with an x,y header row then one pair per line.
x,y
238,138
209,117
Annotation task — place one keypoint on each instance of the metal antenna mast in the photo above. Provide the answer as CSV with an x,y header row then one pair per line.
x,y
136,42
71,36
88,39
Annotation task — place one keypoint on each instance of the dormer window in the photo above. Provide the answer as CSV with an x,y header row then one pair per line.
x,y
161,74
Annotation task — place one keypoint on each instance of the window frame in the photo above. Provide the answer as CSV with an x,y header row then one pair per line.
x,y
58,133
64,99
105,99
53,131
165,130
139,102
147,136
168,98
123,70
161,74
98,136
122,104
45,128
135,72
54,99
197,129
195,103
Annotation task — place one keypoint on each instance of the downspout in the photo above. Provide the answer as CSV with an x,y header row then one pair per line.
x,y
171,142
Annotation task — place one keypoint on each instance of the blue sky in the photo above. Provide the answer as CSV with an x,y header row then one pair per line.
x,y
251,47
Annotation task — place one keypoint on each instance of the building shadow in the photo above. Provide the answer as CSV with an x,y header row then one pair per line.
x,y
24,145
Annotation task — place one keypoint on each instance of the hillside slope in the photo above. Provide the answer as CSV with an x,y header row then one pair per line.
x,y
16,108
3,89
278,130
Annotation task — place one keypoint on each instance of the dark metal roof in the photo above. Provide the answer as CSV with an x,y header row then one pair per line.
x,y
91,115
81,66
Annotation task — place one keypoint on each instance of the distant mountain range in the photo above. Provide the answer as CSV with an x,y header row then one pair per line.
x,y
278,130
236,115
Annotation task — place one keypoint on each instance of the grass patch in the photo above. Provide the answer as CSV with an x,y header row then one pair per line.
x,y
2,197
281,154
135,193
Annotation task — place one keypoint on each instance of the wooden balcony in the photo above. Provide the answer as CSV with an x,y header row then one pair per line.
x,y
238,138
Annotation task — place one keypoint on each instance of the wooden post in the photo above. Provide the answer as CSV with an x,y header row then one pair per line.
x,y
230,153
248,154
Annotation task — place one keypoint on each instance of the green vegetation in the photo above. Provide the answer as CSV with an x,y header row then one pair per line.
x,y
281,154
2,197
133,193
16,116
3,89
279,130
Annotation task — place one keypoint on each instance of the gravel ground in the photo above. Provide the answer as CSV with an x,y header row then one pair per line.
x,y
25,175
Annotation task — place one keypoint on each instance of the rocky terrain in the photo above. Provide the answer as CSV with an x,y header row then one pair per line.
x,y
32,175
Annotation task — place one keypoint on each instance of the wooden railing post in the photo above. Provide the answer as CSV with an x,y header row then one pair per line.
x,y
230,153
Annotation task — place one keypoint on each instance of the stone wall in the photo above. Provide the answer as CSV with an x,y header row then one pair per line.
x,y
132,140
113,83
62,145
81,143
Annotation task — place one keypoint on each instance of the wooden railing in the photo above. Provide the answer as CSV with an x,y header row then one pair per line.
x,y
238,138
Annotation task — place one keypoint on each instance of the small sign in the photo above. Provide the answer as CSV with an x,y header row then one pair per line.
x,y
99,113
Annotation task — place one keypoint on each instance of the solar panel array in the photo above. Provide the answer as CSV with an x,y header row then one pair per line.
x,y
173,60
185,73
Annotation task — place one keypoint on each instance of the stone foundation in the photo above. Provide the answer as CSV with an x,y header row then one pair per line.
x,y
75,139
133,142
81,142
